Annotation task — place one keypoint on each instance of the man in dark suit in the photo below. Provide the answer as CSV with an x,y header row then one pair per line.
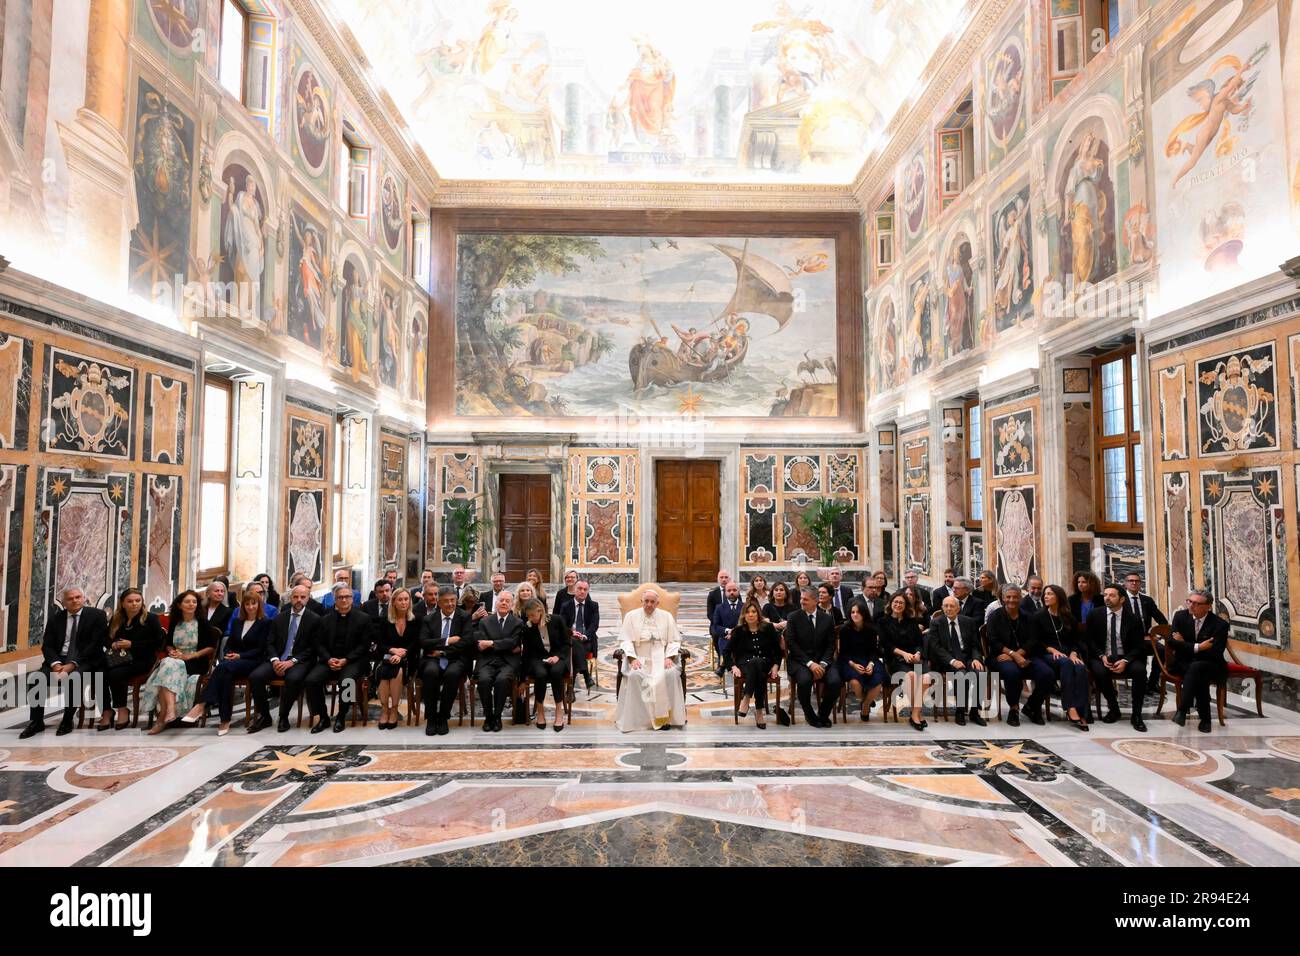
x,y
953,642
841,594
967,603
725,616
500,637
427,603
1012,641
1117,648
342,653
1031,601
447,656
377,607
290,658
912,580
1146,610
74,648
581,616
876,605
942,591
459,581
810,648
716,595
1198,641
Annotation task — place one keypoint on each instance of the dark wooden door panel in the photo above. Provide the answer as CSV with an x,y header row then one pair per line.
x,y
687,520
524,534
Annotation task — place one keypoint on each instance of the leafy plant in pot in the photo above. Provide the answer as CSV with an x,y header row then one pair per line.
x,y
465,529
822,523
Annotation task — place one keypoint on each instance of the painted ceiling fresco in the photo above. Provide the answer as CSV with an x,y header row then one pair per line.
x,y
744,90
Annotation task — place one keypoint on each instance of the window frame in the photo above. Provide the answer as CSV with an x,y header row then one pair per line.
x,y
1130,439
207,477
972,523
242,96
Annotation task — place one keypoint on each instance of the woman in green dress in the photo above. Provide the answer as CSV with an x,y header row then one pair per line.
x,y
190,647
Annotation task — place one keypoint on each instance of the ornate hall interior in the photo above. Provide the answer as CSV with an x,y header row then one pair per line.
x,y
997,300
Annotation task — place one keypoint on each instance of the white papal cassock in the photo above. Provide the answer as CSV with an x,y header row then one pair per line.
x,y
652,696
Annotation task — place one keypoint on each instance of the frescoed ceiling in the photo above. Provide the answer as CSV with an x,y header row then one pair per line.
x,y
674,90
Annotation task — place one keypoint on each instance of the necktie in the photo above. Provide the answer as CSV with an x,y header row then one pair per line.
x,y
446,633
73,622
838,603
578,619
1114,634
1137,607
1198,627
956,637
293,633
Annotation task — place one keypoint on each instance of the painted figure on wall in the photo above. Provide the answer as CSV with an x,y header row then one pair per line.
x,y
391,219
1005,94
643,106
494,42
389,344
914,193
311,120
1013,277
354,322
162,163
888,359
1088,213
804,58
243,248
1217,107
309,272
917,342
959,289
418,353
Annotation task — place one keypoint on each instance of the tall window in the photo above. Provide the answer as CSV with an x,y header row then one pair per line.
x,y
214,479
420,252
974,465
885,235
956,152
233,65
336,481
354,160
1118,418
1077,33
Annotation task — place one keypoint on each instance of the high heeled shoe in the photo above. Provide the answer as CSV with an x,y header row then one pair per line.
x,y
111,725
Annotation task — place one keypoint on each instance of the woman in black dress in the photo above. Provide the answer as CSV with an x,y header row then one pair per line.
x,y
1062,645
398,637
900,640
779,606
546,656
862,667
134,639
756,653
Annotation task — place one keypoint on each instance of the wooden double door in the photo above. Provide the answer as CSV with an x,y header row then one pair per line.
x,y
687,520
524,528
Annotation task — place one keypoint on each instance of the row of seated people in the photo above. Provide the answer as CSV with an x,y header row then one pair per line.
x,y
1040,639
192,658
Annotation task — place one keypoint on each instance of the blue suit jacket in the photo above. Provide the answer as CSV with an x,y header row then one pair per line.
x,y
724,618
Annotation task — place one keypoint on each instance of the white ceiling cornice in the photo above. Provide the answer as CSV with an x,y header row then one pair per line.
x,y
644,195
952,60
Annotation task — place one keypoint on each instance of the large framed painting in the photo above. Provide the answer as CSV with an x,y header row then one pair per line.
x,y
680,316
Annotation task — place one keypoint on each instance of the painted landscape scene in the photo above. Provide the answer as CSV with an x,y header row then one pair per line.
x,y
557,325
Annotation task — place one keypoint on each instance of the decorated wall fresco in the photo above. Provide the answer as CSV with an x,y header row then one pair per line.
x,y
778,485
586,326
95,432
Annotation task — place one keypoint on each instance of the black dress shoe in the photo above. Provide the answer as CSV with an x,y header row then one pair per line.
x,y
65,727
588,680
443,728
1205,726
977,720
1180,718
960,719
1112,715
1035,716
1013,719
260,722
339,724
1139,725
322,724
430,728
282,725
32,729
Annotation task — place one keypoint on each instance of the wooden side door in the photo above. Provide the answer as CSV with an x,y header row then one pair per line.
x,y
687,521
524,529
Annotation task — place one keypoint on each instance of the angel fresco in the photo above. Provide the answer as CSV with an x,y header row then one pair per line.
x,y
1218,105
1012,270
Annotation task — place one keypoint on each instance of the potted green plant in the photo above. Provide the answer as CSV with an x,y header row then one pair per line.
x,y
465,528
821,522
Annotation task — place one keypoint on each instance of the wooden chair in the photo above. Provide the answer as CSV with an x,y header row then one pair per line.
x,y
1159,635
818,686
1239,671
415,701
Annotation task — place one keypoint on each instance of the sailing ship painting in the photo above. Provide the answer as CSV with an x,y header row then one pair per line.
x,y
556,326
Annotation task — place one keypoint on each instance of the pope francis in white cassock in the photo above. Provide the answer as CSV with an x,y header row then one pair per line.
x,y
652,699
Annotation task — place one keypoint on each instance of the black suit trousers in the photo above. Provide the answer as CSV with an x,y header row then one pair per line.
x,y
494,683
1105,681
260,681
803,680
349,675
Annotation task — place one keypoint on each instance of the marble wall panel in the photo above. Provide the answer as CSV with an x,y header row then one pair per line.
x,y
13,489
1177,516
15,390
250,407
305,533
1236,400
1245,549
89,406
160,540
1014,444
165,420
916,533
1079,505
1016,534
1172,393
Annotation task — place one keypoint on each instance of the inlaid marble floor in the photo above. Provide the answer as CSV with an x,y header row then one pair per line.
x,y
713,794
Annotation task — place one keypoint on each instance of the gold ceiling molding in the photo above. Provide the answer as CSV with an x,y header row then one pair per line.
x,y
952,60
779,197
340,48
